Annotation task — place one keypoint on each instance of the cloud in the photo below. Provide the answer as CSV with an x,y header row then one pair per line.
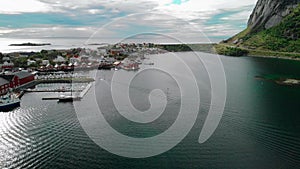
x,y
184,18
21,6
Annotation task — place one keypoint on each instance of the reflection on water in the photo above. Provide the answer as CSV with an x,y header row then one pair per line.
x,y
260,127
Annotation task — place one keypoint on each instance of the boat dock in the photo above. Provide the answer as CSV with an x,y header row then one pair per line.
x,y
51,90
50,98
81,95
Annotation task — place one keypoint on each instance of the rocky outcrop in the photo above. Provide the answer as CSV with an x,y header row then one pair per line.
x,y
269,13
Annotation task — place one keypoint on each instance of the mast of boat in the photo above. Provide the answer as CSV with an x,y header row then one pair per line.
x,y
167,93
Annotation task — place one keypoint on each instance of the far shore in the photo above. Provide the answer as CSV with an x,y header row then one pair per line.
x,y
201,47
30,44
211,48
275,57
219,48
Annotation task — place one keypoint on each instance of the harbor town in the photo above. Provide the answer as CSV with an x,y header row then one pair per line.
x,y
22,71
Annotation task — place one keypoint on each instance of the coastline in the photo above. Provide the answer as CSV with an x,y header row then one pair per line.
x,y
211,48
274,57
220,48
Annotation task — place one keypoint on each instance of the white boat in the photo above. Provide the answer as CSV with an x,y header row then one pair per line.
x,y
131,66
150,63
64,98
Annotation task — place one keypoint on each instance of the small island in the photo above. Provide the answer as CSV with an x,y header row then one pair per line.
x,y
280,79
31,44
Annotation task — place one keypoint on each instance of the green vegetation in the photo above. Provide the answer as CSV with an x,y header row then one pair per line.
x,y
221,49
175,47
20,62
208,48
281,40
231,51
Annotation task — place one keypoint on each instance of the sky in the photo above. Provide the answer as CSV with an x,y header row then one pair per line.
x,y
185,20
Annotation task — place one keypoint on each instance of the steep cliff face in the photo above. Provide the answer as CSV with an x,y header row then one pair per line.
x,y
273,30
269,13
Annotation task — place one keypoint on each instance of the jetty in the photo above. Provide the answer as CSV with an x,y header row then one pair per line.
x,y
58,80
80,96
50,90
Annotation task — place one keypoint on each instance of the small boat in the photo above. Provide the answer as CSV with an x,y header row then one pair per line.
x,y
9,102
138,62
64,98
105,66
151,63
131,67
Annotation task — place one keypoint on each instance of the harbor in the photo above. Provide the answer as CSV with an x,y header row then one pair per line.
x,y
42,133
65,83
69,85
23,71
151,84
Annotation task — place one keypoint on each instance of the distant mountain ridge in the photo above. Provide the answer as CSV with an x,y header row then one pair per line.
x,y
273,30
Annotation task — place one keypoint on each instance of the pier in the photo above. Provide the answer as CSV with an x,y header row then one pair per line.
x,y
50,90
81,95
61,80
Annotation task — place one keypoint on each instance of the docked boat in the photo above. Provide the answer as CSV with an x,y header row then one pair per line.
x,y
150,63
9,102
64,98
131,67
105,66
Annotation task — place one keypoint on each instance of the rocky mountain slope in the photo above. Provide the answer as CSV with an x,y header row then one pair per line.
x,y
273,29
270,13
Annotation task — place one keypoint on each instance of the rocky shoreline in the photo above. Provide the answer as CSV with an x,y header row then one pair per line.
x,y
284,81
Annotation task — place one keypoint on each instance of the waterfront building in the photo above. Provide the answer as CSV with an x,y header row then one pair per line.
x,y
4,86
24,77
30,62
12,79
59,59
45,62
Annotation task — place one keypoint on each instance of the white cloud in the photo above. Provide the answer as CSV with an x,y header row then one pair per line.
x,y
238,16
170,18
21,6
194,9
95,11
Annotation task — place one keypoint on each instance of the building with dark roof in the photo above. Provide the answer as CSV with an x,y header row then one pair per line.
x,y
4,86
12,79
17,79
24,77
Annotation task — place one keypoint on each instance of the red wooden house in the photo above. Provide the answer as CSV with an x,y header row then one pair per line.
x,y
24,77
18,79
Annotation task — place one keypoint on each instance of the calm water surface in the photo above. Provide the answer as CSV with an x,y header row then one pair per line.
x,y
260,127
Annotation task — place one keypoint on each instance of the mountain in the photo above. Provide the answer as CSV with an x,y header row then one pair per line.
x,y
270,13
273,30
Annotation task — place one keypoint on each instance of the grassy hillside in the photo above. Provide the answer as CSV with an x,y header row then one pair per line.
x,y
281,40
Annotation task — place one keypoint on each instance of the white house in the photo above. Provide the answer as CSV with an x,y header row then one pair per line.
x,y
45,62
30,62
59,59
6,59
74,60
23,56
